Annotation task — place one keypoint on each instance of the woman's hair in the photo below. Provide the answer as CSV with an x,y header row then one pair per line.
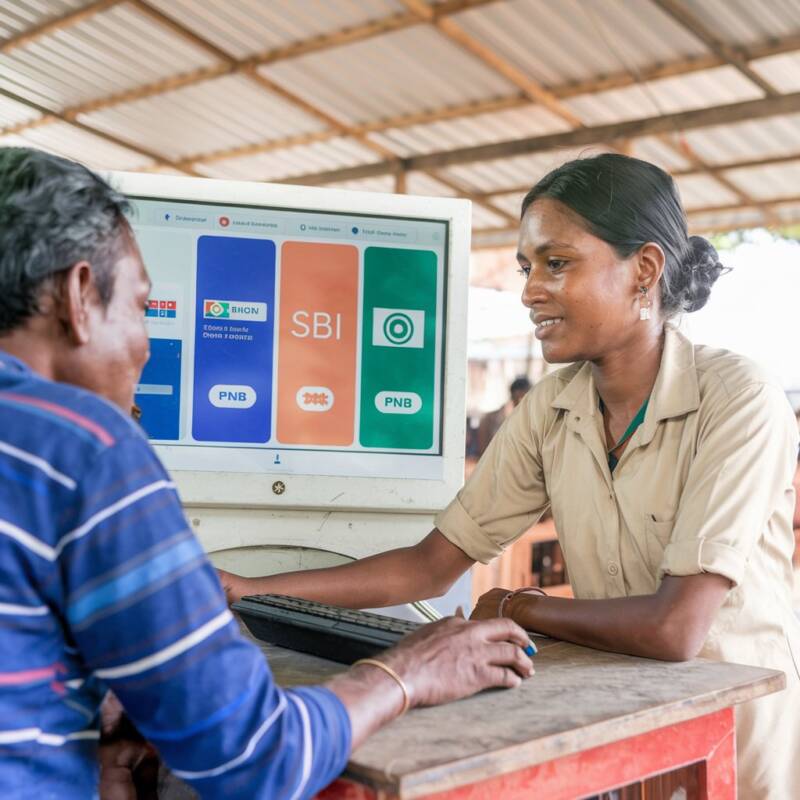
x,y
627,202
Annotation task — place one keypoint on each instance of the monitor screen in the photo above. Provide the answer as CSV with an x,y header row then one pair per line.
x,y
291,340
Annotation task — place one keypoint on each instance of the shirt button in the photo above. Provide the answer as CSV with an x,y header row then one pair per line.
x,y
613,568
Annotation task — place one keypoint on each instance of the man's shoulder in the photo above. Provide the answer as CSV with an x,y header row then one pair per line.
x,y
69,414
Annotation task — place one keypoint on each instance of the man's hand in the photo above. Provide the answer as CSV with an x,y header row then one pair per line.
x,y
441,662
488,604
454,658
128,764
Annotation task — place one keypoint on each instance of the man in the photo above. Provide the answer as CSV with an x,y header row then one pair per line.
x,y
491,421
102,583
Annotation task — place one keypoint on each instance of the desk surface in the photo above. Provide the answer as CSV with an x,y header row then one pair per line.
x,y
579,698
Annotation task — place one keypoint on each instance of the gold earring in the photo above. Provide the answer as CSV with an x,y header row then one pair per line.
x,y
644,310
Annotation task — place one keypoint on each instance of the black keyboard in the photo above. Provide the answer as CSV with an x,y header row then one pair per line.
x,y
338,634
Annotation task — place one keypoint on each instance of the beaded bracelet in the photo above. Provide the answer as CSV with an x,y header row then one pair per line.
x,y
516,592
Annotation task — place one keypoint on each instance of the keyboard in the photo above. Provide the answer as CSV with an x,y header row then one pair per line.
x,y
338,634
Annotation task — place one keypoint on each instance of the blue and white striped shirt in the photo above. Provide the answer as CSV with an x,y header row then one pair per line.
x,y
103,585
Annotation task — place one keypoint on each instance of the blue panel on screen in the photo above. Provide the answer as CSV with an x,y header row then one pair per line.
x,y
234,331
158,394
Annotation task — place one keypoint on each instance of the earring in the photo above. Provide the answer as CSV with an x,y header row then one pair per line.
x,y
644,310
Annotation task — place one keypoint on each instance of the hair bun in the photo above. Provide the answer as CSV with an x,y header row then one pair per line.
x,y
701,268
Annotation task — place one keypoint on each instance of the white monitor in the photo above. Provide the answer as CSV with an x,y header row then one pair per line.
x,y
308,346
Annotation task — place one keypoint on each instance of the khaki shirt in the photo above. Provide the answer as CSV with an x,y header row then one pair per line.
x,y
704,485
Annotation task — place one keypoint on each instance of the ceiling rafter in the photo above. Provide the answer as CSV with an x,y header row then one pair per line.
x,y
580,137
688,20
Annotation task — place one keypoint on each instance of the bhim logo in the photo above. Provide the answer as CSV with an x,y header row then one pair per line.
x,y
216,309
242,310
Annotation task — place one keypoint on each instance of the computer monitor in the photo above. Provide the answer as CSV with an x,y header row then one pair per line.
x,y
308,345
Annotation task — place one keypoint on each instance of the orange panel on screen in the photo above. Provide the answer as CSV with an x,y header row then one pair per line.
x,y
317,343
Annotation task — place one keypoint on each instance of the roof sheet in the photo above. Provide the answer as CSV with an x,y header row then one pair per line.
x,y
288,163
768,182
782,71
223,113
419,70
570,40
248,27
745,22
19,16
711,87
66,140
496,126
106,53
702,191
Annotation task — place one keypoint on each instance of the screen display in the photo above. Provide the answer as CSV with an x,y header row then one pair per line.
x,y
293,341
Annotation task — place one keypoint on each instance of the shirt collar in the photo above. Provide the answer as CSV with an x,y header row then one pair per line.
x,y
11,363
676,391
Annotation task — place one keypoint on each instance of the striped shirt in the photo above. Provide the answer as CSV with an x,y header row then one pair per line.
x,y
103,585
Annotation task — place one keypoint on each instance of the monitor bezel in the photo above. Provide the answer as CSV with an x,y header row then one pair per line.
x,y
262,490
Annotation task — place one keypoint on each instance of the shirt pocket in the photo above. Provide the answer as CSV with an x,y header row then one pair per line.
x,y
657,536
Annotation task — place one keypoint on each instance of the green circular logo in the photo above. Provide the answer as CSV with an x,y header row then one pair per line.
x,y
398,328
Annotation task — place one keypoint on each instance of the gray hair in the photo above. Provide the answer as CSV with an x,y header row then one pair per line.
x,y
53,214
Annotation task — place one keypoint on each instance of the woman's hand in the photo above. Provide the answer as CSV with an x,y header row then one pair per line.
x,y
488,604
235,586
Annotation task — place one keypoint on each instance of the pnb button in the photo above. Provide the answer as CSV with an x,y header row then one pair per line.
x,y
398,402
222,395
314,398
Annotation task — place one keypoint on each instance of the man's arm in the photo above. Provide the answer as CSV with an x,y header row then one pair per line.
x,y
427,569
145,610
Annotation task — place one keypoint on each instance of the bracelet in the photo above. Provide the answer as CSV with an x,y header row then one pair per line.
x,y
389,671
507,597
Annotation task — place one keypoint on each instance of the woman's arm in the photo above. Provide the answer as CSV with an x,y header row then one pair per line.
x,y
427,569
671,624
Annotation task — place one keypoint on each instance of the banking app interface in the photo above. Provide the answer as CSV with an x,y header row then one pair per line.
x,y
306,341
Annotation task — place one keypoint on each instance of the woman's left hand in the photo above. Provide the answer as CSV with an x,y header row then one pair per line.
x,y
489,604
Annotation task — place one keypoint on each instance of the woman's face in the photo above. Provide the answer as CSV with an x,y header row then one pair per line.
x,y
584,299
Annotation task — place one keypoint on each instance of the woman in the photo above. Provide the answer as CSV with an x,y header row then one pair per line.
x,y
667,466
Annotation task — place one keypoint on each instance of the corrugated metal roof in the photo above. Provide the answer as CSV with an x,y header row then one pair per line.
x,y
107,53
418,69
282,164
381,183
745,22
711,87
209,116
665,154
66,140
723,220
782,71
702,191
790,212
410,71
19,16
503,174
510,203
743,141
496,126
248,27
13,113
768,182
570,40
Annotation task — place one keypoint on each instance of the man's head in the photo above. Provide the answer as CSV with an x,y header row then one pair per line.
x,y
518,389
72,284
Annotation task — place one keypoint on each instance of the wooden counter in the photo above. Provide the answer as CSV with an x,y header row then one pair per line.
x,y
586,722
